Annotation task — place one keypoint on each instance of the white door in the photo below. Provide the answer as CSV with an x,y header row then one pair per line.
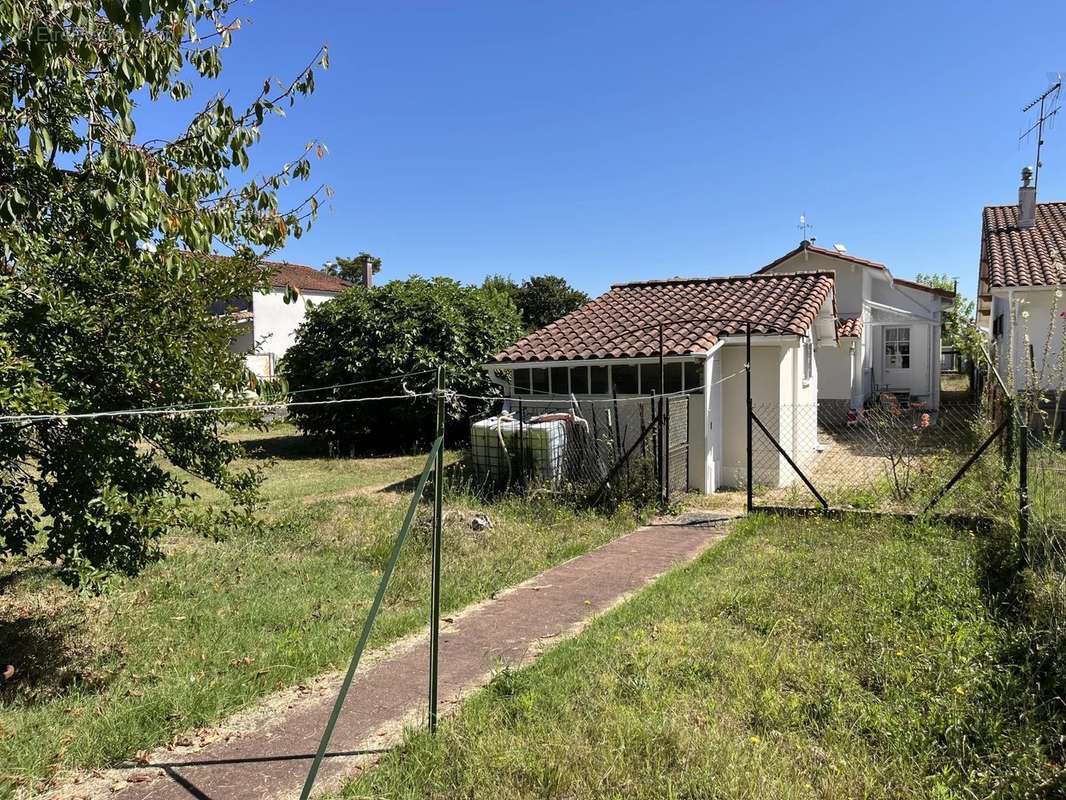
x,y
896,357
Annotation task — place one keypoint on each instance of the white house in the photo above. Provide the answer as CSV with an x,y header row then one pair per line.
x,y
611,346
889,330
1020,289
267,323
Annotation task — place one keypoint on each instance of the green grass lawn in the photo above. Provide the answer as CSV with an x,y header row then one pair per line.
x,y
797,659
216,626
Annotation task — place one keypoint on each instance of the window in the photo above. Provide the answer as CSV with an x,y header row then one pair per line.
x,y
997,326
808,359
540,380
673,377
897,348
521,381
624,378
560,380
693,376
649,378
579,380
598,380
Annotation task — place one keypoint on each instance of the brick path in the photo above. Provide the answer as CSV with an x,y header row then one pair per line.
x,y
390,692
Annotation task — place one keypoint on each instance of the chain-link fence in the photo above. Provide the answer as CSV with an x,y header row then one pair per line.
x,y
593,451
889,456
1043,533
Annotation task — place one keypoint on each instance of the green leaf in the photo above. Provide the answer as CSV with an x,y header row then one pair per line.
x,y
36,148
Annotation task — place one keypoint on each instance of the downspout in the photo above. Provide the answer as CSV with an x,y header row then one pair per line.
x,y
797,356
851,373
933,371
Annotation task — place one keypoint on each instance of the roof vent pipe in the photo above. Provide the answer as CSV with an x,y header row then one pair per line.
x,y
1026,200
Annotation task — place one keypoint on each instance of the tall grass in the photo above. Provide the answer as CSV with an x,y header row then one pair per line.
x,y
216,626
798,659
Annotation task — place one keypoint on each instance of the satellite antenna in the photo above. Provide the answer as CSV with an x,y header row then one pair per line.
x,y
1049,106
840,248
805,227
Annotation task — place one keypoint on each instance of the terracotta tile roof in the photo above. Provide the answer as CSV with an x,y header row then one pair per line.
x,y
849,326
282,274
853,260
307,278
1017,257
605,327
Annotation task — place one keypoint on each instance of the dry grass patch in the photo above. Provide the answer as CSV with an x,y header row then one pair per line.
x,y
216,626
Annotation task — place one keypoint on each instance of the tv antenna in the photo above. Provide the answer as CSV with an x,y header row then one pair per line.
x,y
805,227
1049,106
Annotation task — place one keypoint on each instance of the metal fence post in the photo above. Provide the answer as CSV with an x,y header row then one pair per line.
x,y
368,625
747,370
663,414
666,453
1023,489
438,535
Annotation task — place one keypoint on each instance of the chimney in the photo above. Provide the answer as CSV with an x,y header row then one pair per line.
x,y
368,272
1026,200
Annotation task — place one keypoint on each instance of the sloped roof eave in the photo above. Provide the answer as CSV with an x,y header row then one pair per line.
x,y
862,262
620,324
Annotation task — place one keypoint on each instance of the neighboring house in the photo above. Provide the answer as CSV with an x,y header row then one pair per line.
x,y
1020,286
889,330
611,345
268,324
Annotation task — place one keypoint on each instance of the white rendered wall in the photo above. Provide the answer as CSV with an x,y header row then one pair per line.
x,y
833,365
1044,328
855,284
276,321
766,366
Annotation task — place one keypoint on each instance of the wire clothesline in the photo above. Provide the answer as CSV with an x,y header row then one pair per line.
x,y
209,403
159,412
190,409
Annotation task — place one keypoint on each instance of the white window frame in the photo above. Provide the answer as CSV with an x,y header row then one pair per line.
x,y
589,366
891,348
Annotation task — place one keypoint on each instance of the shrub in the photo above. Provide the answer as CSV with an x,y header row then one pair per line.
x,y
403,326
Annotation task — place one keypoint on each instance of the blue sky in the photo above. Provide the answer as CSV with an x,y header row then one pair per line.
x,y
611,141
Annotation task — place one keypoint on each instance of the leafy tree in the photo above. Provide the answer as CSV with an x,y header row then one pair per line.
x,y
352,269
403,326
540,300
960,330
106,272
503,284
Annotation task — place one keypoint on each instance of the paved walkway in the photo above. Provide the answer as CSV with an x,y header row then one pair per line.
x,y
390,692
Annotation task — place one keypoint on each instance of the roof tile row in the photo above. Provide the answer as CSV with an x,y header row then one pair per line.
x,y
1025,257
694,312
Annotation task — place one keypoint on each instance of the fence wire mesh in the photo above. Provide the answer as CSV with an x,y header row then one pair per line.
x,y
889,456
595,452
1044,545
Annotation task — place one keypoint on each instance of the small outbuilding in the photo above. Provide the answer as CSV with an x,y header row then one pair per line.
x,y
611,347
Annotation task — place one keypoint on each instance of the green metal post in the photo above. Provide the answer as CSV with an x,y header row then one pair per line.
x,y
327,734
751,415
438,535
